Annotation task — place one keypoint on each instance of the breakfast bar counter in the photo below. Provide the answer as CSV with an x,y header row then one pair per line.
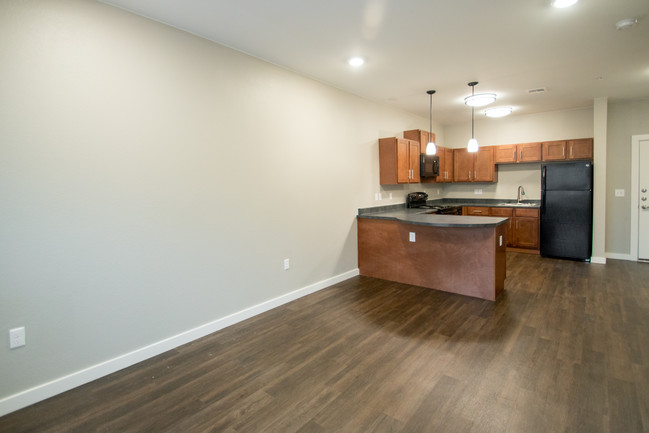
x,y
457,254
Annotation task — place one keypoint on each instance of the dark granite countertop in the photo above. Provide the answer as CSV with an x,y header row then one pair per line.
x,y
399,212
422,217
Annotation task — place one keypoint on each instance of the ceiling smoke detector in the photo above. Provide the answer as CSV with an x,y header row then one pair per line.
x,y
626,23
537,90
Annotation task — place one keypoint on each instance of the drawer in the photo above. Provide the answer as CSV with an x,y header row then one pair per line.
x,y
532,213
476,211
507,212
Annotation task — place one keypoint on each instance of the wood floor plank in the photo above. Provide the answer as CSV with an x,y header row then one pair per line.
x,y
563,349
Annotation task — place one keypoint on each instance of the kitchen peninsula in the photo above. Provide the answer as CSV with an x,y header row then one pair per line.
x,y
457,254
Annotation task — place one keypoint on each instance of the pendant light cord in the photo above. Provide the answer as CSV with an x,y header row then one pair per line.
x,y
472,111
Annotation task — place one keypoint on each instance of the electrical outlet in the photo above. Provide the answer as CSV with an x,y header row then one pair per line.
x,y
16,337
390,196
287,264
477,191
412,236
619,193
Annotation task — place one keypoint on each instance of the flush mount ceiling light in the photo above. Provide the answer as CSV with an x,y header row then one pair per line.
x,y
431,148
356,61
479,100
626,23
560,4
472,146
498,112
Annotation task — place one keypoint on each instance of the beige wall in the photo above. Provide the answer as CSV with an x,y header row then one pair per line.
x,y
152,182
625,119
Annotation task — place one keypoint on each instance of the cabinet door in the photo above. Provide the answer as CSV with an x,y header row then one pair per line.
x,y
505,154
484,169
554,150
526,232
529,152
505,212
475,211
580,149
414,161
462,165
447,168
403,161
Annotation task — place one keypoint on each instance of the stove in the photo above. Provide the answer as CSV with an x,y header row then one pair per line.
x,y
418,200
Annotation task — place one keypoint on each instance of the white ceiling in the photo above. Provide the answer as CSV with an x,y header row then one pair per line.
x,y
509,46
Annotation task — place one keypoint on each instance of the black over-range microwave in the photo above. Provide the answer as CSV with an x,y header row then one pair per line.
x,y
429,166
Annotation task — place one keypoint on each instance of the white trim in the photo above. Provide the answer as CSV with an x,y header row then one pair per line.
x,y
618,256
635,178
46,390
598,260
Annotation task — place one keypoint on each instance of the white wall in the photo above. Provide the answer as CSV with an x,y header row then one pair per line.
x,y
152,182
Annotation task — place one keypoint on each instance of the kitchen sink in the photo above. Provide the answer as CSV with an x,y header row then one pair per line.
x,y
518,204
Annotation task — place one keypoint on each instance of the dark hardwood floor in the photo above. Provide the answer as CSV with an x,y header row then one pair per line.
x,y
564,349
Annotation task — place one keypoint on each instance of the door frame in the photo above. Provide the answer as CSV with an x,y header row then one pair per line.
x,y
635,178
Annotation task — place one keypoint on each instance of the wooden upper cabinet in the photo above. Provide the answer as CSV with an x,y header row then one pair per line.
x,y
580,149
474,167
568,149
554,150
529,152
516,153
446,168
484,169
505,154
398,161
420,136
462,165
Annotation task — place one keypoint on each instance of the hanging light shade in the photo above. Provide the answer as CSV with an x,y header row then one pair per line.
x,y
472,146
480,100
431,148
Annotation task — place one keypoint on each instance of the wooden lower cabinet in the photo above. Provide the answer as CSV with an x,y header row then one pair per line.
x,y
523,226
475,211
505,212
526,228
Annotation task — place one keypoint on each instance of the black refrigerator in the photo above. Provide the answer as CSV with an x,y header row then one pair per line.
x,y
567,210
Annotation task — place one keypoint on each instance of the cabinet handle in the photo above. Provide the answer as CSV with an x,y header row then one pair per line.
x,y
521,158
563,151
469,174
475,174
570,150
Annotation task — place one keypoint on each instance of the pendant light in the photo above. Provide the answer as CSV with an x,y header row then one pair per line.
x,y
431,148
472,146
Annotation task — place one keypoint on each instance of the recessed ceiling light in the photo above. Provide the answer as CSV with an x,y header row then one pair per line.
x,y
498,112
356,61
626,24
563,3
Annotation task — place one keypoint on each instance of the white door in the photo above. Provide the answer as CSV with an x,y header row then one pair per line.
x,y
643,201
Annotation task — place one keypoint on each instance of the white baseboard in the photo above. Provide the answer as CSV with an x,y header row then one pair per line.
x,y
598,260
46,390
618,256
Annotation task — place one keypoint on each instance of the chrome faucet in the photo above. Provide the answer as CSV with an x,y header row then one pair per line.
x,y
521,192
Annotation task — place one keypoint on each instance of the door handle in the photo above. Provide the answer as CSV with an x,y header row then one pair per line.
x,y
644,199
644,189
